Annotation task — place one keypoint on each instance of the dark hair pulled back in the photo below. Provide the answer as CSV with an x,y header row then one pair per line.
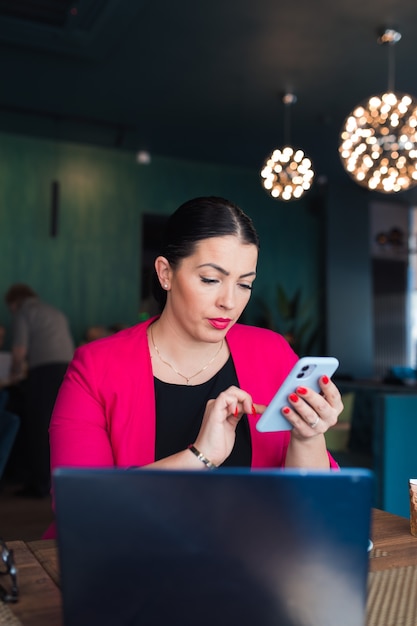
x,y
198,219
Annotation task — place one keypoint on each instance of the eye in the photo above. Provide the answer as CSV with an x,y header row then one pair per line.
x,y
208,281
245,286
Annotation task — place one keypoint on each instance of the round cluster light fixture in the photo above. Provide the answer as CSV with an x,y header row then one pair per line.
x,y
378,141
287,173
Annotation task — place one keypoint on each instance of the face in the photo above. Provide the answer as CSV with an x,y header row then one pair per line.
x,y
209,289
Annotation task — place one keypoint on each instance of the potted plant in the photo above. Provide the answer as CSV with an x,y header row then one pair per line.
x,y
293,317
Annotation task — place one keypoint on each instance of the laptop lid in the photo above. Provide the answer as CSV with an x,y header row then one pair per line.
x,y
228,547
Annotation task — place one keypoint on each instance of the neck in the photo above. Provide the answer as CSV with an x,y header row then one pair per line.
x,y
182,362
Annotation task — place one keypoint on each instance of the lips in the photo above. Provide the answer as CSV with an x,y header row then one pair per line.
x,y
220,323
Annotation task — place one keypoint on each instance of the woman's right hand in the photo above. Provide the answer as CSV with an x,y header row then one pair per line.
x,y
221,417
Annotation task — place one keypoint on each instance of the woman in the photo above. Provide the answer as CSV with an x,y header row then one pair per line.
x,y
184,390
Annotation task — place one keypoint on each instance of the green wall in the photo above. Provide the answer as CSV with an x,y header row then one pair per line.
x,y
91,269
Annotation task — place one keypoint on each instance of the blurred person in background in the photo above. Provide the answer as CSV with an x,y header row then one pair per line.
x,y
4,371
42,347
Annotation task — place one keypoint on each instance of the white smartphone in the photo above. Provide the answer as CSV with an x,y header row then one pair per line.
x,y
306,372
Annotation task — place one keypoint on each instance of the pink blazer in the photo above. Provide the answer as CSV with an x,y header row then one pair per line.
x,y
105,411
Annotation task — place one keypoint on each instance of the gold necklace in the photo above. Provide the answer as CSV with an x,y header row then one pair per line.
x,y
187,378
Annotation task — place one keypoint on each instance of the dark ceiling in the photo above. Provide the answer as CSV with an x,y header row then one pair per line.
x,y
198,79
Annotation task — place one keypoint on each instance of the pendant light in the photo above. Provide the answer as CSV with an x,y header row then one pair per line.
x,y
378,141
287,173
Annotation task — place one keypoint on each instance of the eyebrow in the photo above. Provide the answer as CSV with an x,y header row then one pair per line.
x,y
223,271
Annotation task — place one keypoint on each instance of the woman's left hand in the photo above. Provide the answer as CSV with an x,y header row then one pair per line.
x,y
313,413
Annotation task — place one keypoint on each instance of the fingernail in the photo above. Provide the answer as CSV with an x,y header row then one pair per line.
x,y
253,410
325,380
236,413
301,390
293,397
286,410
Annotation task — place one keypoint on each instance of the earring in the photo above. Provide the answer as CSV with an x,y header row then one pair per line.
x,y
165,286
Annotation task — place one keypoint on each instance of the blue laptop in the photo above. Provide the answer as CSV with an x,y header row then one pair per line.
x,y
213,548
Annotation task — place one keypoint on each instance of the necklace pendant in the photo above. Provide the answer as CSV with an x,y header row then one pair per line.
x,y
174,369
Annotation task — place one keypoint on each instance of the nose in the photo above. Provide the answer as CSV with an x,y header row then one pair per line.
x,y
226,299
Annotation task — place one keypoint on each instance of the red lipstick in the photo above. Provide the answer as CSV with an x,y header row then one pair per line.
x,y
220,323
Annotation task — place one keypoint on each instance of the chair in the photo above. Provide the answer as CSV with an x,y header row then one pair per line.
x,y
4,398
9,426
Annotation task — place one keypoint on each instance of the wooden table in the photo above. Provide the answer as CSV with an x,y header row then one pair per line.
x,y
394,546
37,563
39,601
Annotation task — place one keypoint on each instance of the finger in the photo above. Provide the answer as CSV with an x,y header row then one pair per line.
x,y
331,392
242,399
315,423
309,409
319,404
306,416
251,408
233,402
304,426
306,407
257,409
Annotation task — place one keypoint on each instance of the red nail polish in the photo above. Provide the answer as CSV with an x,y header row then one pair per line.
x,y
325,380
236,413
253,410
301,390
286,410
293,397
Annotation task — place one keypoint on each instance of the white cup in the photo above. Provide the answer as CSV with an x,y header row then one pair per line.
x,y
412,486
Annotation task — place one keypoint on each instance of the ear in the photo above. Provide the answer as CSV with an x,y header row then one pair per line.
x,y
164,272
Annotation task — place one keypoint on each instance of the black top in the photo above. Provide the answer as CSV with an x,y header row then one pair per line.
x,y
180,410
